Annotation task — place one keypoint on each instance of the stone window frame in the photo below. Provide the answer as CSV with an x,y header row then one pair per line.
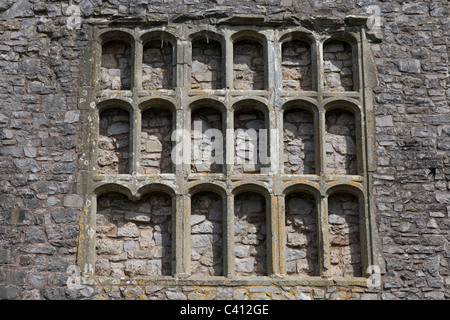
x,y
208,34
220,108
251,35
274,186
313,46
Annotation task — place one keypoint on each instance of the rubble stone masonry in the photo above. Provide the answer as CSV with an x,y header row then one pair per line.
x,y
93,207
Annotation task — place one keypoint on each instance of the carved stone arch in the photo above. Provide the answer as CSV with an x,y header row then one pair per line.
x,y
159,59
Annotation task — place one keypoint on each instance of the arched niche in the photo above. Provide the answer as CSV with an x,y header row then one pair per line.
x,y
300,120
114,137
158,118
301,230
207,61
297,67
139,231
345,216
249,61
343,138
252,136
208,128
158,60
339,64
116,68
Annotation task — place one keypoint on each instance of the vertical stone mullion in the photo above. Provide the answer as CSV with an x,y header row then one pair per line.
x,y
275,238
182,235
319,66
316,74
323,237
229,141
320,138
135,127
137,65
182,63
228,236
228,63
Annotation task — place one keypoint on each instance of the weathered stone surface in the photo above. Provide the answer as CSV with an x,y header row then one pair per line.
x,y
46,69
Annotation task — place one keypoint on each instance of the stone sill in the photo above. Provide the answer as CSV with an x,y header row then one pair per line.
x,y
225,281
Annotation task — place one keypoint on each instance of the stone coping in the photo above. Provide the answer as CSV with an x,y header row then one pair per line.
x,y
227,281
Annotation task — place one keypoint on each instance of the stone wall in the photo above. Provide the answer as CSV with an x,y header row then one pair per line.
x,y
133,238
114,141
248,65
116,66
156,143
207,153
206,64
302,256
341,142
299,145
345,241
296,65
250,235
42,66
157,65
206,235
247,123
338,66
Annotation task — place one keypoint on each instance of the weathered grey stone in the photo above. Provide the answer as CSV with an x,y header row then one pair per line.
x,y
415,8
35,235
408,65
385,121
245,265
200,240
71,116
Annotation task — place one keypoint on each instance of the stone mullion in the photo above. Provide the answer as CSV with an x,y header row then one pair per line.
x,y
321,155
319,66
228,239
183,61
228,63
323,237
182,243
137,65
229,140
274,84
135,136
320,138
317,74
275,237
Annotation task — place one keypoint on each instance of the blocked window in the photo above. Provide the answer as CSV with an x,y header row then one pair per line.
x,y
156,143
341,142
261,207
248,65
207,66
298,138
114,141
302,253
296,67
250,247
157,65
251,140
343,220
338,66
133,238
207,140
206,234
116,65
